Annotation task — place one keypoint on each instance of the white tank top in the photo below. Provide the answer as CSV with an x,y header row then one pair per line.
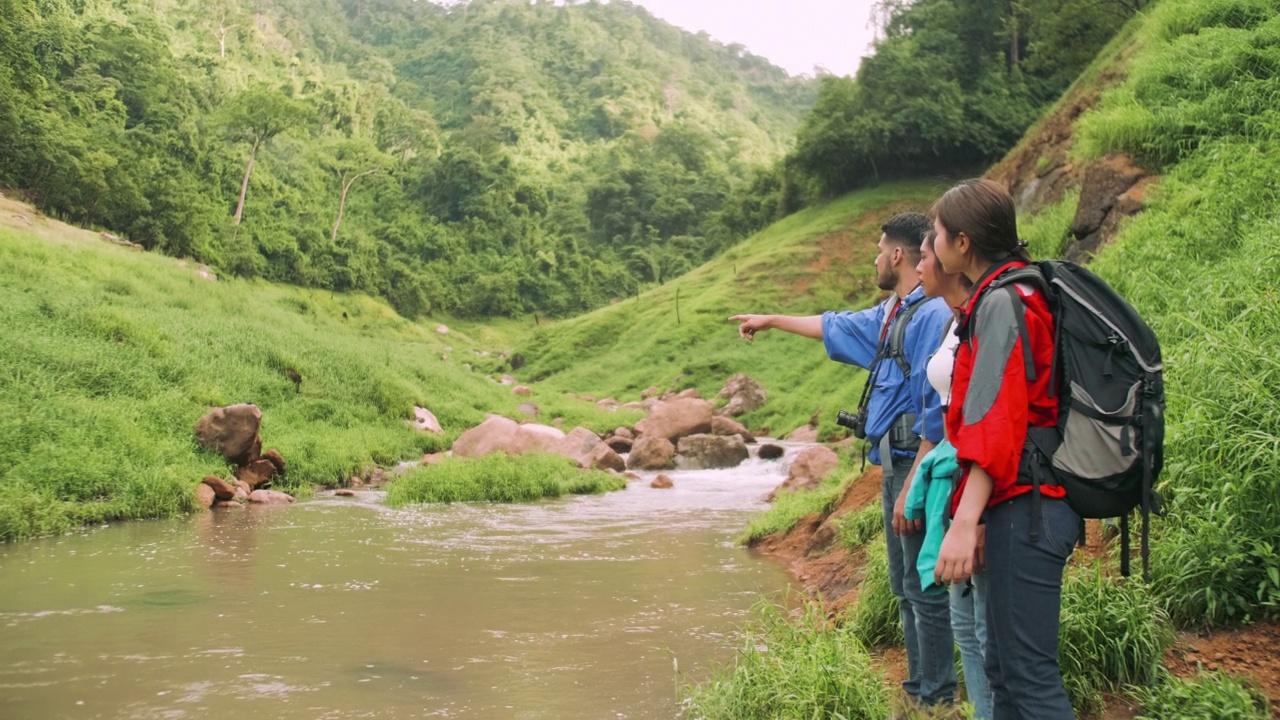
x,y
942,362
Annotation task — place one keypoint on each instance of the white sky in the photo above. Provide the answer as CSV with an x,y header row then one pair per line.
x,y
795,35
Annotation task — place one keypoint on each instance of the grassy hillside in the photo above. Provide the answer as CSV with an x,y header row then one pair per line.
x,y
108,356
815,260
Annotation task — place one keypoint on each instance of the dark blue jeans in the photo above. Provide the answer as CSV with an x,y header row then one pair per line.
x,y
1024,597
926,618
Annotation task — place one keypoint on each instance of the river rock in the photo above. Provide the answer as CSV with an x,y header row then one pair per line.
x,y
529,409
651,453
674,419
608,403
649,392
603,457
343,492
276,459
495,433
257,472
815,463
721,425
791,484
426,421
689,393
222,489
231,504
804,433
769,451
432,458
522,390
701,452
744,393
577,445
662,482
624,432
619,444
232,431
205,496
270,497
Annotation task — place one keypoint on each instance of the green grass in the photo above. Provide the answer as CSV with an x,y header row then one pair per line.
x,y
856,529
875,619
1207,695
108,357
818,259
787,669
499,478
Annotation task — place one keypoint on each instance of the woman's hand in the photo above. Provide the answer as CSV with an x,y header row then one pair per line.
x,y
957,554
751,324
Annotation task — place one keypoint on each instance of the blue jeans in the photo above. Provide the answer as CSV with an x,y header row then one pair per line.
x,y
969,623
1024,582
926,619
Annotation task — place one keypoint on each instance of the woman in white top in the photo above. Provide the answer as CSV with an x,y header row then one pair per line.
x,y
968,602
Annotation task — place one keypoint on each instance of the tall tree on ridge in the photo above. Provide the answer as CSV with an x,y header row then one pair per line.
x,y
256,116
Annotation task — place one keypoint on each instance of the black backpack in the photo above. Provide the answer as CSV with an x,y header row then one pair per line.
x,y
1108,447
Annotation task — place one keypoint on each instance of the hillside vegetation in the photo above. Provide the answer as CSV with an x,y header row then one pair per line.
x,y
109,356
485,158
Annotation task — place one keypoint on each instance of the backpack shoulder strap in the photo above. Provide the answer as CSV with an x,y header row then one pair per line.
x,y
897,336
1031,275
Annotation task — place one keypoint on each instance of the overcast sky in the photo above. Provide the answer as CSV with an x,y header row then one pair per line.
x,y
795,35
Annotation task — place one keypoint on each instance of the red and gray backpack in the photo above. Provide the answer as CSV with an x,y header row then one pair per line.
x,y
1107,449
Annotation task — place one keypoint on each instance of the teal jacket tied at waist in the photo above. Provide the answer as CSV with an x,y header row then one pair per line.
x,y
928,499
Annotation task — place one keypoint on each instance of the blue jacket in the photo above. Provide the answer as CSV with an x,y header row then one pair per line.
x,y
853,337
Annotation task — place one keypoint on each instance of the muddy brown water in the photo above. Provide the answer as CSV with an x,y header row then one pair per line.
x,y
586,607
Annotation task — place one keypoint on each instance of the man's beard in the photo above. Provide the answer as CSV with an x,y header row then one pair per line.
x,y
887,280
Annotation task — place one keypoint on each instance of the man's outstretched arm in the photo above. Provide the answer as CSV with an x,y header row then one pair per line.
x,y
809,326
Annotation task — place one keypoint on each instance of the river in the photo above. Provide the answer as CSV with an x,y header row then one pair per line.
x,y
586,607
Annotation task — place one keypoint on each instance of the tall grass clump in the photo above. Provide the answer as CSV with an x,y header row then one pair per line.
x,y
499,477
875,619
789,669
856,529
1214,695
1111,633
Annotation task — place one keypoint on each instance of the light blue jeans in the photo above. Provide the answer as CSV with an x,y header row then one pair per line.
x,y
969,623
926,618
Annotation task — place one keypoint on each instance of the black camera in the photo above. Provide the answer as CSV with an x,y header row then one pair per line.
x,y
856,423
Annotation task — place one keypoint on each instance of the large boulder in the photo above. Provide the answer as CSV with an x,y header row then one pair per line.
x,y
674,419
700,452
205,496
532,437
494,434
232,431
721,425
744,393
651,453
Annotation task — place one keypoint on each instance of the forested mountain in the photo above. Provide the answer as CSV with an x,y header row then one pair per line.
x,y
489,157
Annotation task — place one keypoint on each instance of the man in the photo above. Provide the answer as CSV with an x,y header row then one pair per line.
x,y
895,425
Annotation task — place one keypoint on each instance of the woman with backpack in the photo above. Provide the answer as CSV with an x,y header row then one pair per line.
x,y
1001,404
928,498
